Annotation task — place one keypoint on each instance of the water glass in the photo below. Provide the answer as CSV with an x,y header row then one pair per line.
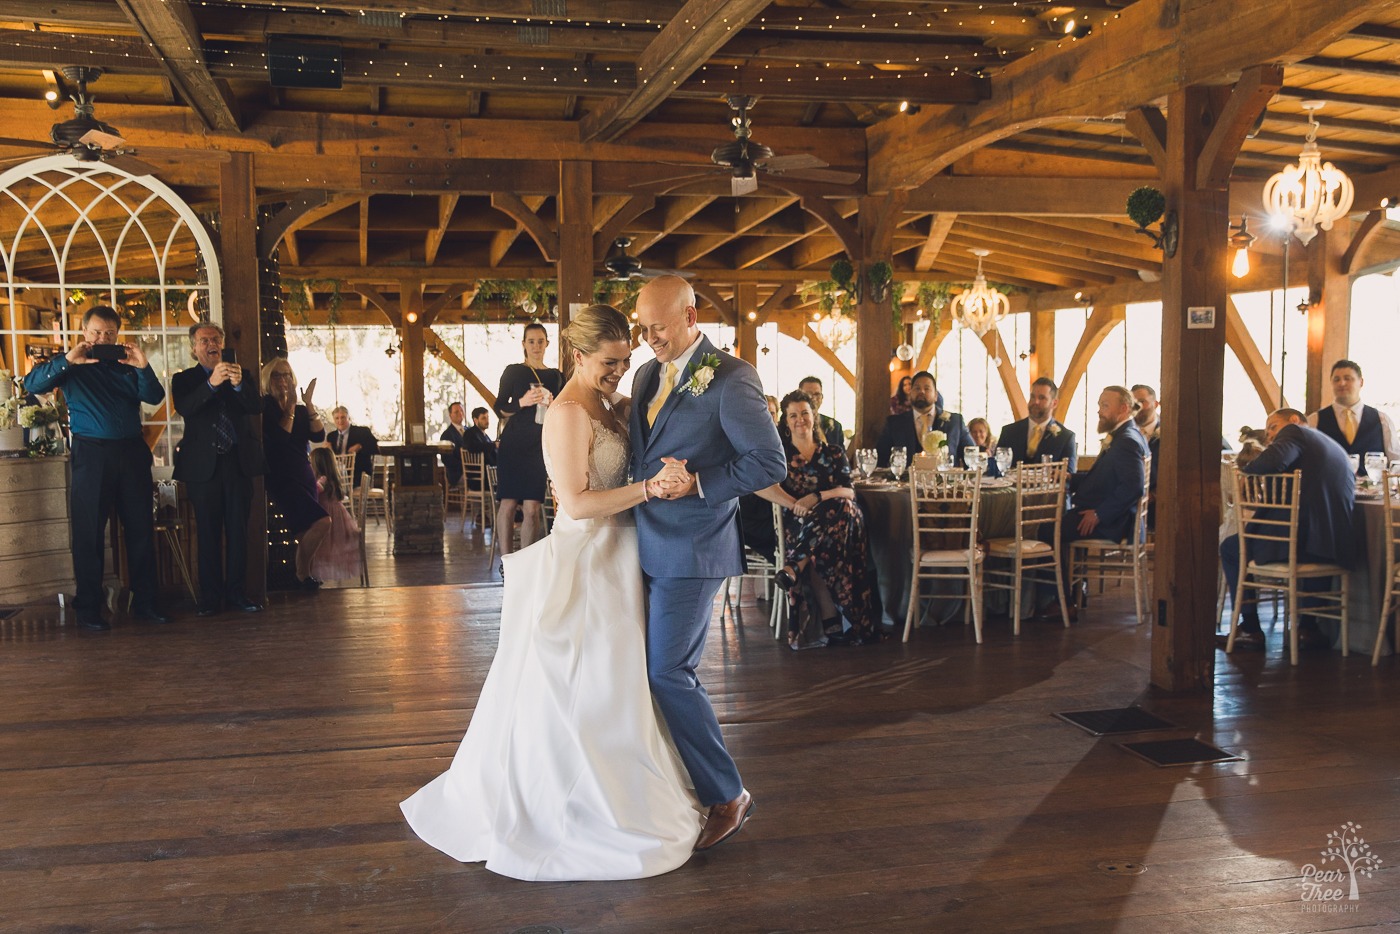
x,y
899,459
1004,458
970,455
1355,461
541,407
1375,466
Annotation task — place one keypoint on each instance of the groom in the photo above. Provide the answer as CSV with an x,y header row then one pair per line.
x,y
705,410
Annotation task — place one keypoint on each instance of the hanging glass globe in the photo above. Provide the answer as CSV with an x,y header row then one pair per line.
x,y
905,352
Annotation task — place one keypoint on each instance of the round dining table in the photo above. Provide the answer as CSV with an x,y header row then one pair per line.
x,y
889,527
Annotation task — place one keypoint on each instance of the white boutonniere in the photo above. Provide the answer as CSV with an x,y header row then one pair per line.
x,y
701,374
1054,429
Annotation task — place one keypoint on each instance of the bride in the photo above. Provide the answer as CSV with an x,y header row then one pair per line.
x,y
566,771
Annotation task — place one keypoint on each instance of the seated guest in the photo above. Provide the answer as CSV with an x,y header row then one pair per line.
x,y
1105,499
830,427
288,430
825,536
1039,434
1149,422
1359,429
773,409
353,439
980,431
907,430
1326,500
471,438
899,402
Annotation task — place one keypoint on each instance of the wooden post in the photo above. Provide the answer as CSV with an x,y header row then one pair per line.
x,y
1329,318
411,359
874,320
575,266
238,264
746,329
1193,367
1042,361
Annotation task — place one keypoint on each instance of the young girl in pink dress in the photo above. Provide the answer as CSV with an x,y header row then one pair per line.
x,y
338,558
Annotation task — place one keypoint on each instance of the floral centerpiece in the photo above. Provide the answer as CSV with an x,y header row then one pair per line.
x,y
44,440
11,434
934,440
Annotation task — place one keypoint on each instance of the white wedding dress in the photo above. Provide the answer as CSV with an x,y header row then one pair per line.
x,y
567,771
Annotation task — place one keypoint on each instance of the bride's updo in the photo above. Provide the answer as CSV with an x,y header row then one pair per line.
x,y
597,325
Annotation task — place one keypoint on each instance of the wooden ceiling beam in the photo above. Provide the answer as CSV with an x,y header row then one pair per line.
x,y
1011,253
634,208
1349,66
1152,48
750,214
364,231
1375,32
1134,253
1369,101
169,28
939,226
1248,99
447,206
1024,196
674,212
1150,128
684,44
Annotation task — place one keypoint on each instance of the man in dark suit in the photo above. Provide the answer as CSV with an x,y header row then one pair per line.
x,y
1326,503
1358,428
217,459
353,439
831,428
1040,435
471,438
1105,499
907,429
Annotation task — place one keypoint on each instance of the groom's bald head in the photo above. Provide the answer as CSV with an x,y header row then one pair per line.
x,y
666,314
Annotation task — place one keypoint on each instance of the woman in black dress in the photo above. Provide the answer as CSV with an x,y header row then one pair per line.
x,y
825,535
288,430
520,460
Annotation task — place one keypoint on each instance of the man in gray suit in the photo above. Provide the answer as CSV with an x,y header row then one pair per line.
x,y
704,409
1326,503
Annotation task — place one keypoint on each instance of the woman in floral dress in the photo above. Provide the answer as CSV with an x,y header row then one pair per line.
x,y
825,535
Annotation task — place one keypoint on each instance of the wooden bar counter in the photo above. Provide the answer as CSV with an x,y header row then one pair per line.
x,y
416,497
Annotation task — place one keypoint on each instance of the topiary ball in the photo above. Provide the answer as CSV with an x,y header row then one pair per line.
x,y
1146,205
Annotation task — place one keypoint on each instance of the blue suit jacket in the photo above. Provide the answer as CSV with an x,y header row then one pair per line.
x,y
728,440
1061,446
1114,484
900,432
1327,498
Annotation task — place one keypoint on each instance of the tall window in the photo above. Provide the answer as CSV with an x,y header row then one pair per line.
x,y
78,234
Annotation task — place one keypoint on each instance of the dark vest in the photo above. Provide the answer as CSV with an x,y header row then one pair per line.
x,y
1369,435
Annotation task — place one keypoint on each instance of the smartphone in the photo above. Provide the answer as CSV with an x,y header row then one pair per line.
x,y
228,355
109,352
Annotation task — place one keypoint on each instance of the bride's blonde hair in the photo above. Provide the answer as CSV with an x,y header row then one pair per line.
x,y
595,326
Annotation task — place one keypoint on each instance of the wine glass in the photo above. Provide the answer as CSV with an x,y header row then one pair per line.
x,y
1004,457
970,455
899,459
1375,466
872,461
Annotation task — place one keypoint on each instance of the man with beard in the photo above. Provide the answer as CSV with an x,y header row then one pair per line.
x,y
1105,499
1040,435
907,429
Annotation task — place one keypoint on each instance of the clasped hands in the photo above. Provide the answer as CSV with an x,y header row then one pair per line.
x,y
673,481
804,506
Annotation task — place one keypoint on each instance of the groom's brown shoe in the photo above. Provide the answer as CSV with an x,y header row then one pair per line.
x,y
725,820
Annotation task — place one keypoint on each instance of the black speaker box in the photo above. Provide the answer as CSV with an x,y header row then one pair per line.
x,y
292,63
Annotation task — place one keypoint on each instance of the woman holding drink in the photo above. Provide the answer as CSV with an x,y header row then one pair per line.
x,y
525,392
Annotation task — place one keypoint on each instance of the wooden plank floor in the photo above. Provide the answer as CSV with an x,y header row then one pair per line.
x,y
243,774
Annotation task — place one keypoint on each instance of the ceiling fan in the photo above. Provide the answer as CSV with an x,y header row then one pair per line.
x,y
744,158
86,138
622,266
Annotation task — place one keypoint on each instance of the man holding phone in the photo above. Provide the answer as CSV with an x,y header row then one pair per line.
x,y
217,460
104,383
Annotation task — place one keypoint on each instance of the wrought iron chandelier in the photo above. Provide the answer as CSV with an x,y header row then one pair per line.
x,y
980,308
1312,194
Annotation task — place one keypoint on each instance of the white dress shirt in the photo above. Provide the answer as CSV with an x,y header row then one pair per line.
x,y
680,363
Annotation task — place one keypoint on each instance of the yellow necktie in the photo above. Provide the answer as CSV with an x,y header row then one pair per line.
x,y
1349,428
668,382
1033,444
